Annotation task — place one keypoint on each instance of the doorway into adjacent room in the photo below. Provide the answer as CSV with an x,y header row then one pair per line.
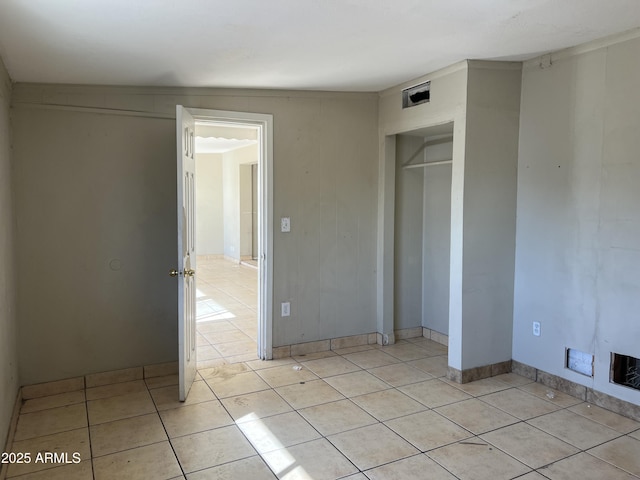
x,y
232,237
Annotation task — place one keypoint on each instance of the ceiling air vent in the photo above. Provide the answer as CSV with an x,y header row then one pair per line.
x,y
416,95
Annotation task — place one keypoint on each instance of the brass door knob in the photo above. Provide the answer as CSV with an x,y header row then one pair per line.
x,y
173,273
189,273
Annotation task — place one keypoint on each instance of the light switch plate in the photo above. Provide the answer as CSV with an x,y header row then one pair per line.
x,y
285,224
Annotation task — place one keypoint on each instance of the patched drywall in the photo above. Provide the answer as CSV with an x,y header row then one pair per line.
x,y
578,225
8,318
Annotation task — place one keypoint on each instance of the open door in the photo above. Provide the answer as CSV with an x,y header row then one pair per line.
x,y
185,139
185,122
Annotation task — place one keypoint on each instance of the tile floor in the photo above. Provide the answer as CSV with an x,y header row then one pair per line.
x,y
227,322
360,413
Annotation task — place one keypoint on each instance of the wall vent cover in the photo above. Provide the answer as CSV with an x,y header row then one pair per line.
x,y
416,95
580,362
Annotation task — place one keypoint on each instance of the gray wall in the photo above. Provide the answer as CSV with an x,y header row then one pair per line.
x,y
490,179
408,235
578,230
436,234
92,187
8,320
422,235
325,179
96,236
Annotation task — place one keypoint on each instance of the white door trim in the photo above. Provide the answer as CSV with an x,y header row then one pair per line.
x,y
264,122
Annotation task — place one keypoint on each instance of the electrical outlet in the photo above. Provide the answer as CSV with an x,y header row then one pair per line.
x,y
536,329
285,224
285,308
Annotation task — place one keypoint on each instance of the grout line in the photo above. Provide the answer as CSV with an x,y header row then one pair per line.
x,y
166,433
297,411
86,409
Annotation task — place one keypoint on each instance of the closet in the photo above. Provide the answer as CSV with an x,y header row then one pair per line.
x,y
422,228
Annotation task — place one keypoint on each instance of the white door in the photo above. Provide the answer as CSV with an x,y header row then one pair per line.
x,y
186,270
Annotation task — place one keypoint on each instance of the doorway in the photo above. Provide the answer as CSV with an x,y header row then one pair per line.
x,y
233,225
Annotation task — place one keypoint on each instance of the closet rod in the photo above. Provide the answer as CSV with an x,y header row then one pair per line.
x,y
426,144
427,164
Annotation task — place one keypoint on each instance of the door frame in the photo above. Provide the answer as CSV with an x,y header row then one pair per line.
x,y
264,123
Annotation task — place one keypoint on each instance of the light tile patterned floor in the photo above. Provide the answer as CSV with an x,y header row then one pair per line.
x,y
227,322
359,414
362,413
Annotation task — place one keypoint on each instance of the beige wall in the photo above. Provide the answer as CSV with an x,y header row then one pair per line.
x,y
246,217
236,174
8,321
209,219
223,202
96,209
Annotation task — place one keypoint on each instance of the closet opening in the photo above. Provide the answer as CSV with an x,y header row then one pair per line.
x,y
422,232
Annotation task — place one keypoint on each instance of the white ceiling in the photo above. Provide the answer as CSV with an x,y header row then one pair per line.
x,y
352,45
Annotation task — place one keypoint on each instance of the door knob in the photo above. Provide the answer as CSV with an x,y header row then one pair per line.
x,y
174,273
189,272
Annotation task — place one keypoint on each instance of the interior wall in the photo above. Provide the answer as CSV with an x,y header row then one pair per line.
x,y
578,226
96,209
436,234
246,211
447,104
489,226
209,206
96,237
422,234
482,99
255,205
236,206
408,235
8,318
